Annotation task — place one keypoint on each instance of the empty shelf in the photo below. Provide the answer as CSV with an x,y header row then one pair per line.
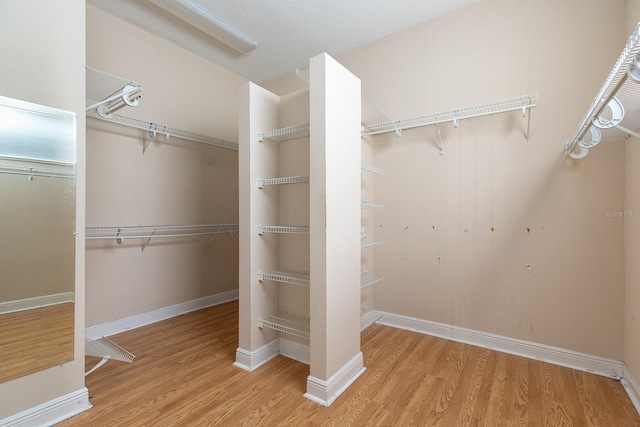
x,y
367,243
284,134
288,323
283,229
368,279
368,205
283,180
369,168
289,277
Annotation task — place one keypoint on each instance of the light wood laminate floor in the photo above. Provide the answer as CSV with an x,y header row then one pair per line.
x,y
183,376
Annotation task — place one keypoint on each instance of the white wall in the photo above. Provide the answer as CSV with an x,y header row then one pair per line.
x,y
493,204
178,182
42,46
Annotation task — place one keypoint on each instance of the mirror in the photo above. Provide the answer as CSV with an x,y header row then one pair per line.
x,y
37,237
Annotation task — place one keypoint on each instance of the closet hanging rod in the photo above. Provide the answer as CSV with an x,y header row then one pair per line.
x,y
513,104
626,64
30,172
154,128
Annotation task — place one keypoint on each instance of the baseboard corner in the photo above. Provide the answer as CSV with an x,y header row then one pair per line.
x,y
631,386
325,392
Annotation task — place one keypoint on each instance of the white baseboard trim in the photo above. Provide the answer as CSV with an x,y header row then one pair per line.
x,y
368,319
631,386
326,392
35,302
295,350
252,360
51,412
143,319
558,356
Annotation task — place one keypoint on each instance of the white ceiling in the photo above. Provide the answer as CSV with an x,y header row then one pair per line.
x,y
288,32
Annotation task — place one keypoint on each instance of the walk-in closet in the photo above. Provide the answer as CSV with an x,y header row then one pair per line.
x,y
319,213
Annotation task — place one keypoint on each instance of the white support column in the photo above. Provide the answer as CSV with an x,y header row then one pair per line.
x,y
335,157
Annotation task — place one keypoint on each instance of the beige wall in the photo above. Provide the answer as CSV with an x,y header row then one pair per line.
x,y
632,234
493,204
178,182
42,46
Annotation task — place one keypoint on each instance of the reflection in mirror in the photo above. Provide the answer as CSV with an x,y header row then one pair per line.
x,y
37,240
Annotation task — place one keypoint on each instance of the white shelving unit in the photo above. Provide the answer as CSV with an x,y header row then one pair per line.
x,y
368,279
319,268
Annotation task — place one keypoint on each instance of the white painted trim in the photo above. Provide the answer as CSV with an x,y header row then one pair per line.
x,y
35,302
51,412
368,319
558,356
143,319
631,386
252,360
326,392
295,350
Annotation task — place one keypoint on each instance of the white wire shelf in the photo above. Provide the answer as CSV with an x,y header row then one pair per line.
x,y
148,232
368,168
262,182
165,131
368,205
32,172
367,243
287,133
105,349
522,103
617,90
283,229
369,279
288,277
288,323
